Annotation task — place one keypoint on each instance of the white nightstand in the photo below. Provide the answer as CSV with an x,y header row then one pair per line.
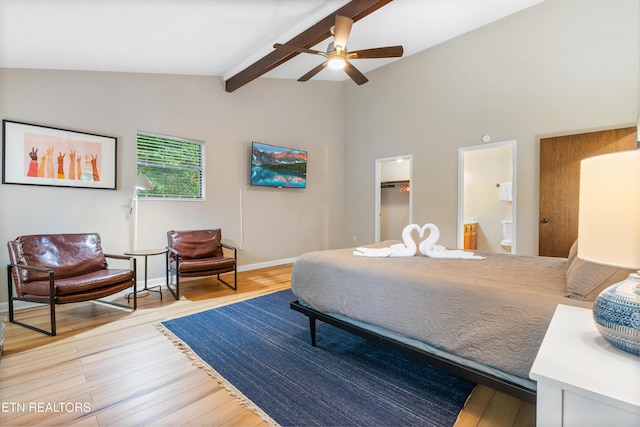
x,y
582,379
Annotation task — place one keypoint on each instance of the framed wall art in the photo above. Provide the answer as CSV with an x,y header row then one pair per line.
x,y
43,155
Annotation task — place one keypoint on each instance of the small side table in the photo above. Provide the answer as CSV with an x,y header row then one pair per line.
x,y
582,379
146,253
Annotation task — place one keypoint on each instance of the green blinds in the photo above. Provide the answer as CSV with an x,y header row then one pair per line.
x,y
173,165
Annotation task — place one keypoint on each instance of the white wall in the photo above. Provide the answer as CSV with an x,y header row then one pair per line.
x,y
278,223
563,66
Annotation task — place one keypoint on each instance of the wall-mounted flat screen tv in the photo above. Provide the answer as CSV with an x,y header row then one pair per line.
x,y
273,166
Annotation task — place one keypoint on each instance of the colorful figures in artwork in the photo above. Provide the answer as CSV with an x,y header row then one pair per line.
x,y
61,165
33,164
87,170
49,167
94,168
42,165
77,169
72,164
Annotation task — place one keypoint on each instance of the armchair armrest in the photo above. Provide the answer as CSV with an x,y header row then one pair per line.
x,y
28,267
48,271
230,247
118,256
131,259
172,251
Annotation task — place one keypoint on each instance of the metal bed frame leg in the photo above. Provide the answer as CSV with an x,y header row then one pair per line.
x,y
312,329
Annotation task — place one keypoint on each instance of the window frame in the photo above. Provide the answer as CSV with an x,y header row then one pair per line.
x,y
145,164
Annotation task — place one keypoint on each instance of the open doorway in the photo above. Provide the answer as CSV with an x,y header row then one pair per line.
x,y
487,197
393,196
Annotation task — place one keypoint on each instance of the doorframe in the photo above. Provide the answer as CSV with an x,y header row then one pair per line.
x,y
378,192
514,175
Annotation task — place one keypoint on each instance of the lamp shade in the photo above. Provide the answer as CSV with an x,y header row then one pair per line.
x,y
609,209
143,183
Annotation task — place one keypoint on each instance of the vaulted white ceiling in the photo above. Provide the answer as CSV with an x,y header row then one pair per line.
x,y
218,37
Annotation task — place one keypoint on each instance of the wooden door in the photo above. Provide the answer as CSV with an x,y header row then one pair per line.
x,y
560,183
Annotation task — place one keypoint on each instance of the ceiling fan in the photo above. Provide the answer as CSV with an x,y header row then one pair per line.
x,y
337,56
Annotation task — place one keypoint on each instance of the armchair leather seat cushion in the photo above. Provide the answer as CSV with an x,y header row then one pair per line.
x,y
213,265
83,283
88,295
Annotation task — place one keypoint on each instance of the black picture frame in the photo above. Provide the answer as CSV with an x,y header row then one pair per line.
x,y
43,155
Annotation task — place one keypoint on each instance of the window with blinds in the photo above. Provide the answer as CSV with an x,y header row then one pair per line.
x,y
174,166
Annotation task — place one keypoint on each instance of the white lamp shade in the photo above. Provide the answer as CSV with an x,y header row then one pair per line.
x,y
143,183
609,209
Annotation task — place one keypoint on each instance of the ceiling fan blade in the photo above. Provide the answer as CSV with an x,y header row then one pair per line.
x,y
313,72
378,52
341,31
355,74
286,47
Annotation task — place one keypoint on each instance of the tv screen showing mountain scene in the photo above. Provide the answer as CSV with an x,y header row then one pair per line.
x,y
274,166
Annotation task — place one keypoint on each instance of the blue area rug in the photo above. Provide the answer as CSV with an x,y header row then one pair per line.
x,y
262,348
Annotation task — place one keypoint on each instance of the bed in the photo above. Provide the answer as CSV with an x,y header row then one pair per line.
x,y
481,319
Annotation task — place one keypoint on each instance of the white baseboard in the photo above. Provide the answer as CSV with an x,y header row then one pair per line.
x,y
17,305
20,305
266,264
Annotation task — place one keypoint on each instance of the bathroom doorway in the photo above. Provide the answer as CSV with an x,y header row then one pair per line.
x,y
393,196
487,197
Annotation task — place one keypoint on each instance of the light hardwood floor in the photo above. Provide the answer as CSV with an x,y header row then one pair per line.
x,y
118,369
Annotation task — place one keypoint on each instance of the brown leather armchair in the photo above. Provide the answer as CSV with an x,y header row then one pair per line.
x,y
198,253
63,268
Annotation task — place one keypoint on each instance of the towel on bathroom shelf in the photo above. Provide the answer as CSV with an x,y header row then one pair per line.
x,y
506,192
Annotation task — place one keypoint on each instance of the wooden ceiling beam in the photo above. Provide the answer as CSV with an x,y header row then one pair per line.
x,y
355,9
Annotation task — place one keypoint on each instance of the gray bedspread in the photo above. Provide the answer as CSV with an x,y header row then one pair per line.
x,y
493,311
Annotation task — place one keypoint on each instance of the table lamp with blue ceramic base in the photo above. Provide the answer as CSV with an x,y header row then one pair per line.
x,y
609,233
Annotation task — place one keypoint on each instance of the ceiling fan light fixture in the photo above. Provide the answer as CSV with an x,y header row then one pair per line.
x,y
337,57
336,63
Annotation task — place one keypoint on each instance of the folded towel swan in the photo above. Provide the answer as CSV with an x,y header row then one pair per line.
x,y
373,252
408,248
427,247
